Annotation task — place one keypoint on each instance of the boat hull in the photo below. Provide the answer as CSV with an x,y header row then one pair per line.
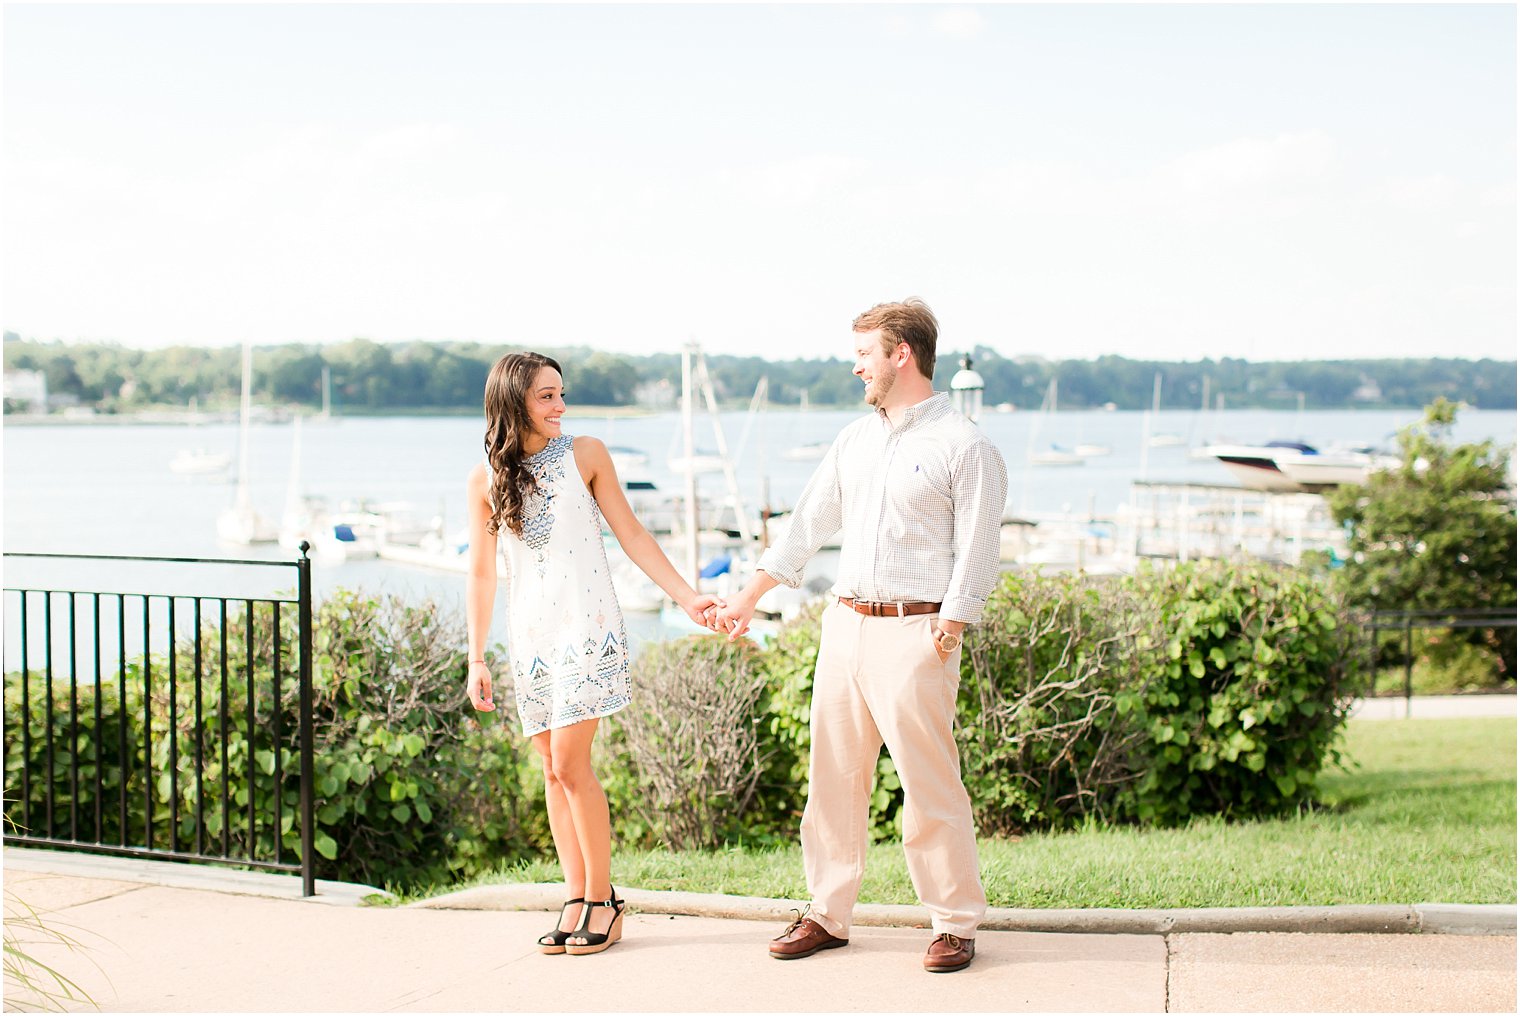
x,y
1258,472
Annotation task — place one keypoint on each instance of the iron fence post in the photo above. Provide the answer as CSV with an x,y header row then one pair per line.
x,y
308,757
1408,666
1372,654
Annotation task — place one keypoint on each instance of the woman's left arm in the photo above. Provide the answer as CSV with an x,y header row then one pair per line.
x,y
595,465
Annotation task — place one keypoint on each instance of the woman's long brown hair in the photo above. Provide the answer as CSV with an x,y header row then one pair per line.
x,y
507,425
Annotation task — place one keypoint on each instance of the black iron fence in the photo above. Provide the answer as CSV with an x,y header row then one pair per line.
x,y
1407,622
164,725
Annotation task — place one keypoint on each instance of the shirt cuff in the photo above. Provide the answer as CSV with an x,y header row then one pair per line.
x,y
770,562
962,608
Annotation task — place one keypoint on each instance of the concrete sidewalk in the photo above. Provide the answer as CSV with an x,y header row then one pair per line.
x,y
1434,707
235,941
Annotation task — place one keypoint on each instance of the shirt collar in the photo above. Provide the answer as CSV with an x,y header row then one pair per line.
x,y
930,409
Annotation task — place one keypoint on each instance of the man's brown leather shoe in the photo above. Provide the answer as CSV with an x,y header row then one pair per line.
x,y
949,952
804,937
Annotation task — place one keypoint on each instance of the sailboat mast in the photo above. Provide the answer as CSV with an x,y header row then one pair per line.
x,y
687,423
741,515
293,488
245,411
1147,425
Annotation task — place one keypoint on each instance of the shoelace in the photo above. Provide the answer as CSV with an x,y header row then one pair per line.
x,y
801,916
952,941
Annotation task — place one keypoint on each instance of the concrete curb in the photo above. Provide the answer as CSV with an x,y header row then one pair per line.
x,y
1466,918
1422,918
1419,918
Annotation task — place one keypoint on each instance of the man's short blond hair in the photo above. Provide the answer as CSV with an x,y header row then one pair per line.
x,y
910,321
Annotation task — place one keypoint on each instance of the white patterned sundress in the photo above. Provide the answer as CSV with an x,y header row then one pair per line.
x,y
565,633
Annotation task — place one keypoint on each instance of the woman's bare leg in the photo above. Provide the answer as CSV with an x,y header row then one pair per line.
x,y
562,827
570,758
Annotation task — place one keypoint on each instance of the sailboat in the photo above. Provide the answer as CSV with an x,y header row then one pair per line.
x,y
304,518
813,451
733,555
1199,450
1054,455
200,461
325,416
242,524
1164,439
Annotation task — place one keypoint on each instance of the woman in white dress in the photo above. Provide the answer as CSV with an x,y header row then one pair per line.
x,y
544,493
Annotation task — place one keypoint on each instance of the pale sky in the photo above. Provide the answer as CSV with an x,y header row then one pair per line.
x,y
1169,182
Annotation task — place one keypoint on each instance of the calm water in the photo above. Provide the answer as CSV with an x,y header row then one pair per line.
x,y
108,489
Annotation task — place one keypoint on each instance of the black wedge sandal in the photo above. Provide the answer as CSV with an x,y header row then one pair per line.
x,y
553,943
597,941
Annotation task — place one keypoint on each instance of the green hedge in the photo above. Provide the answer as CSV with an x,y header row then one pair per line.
x,y
1245,694
1204,689
1199,690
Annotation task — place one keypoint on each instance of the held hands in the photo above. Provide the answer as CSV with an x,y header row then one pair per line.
x,y
720,617
703,609
479,687
735,617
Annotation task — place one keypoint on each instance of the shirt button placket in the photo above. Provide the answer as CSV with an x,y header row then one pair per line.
x,y
880,493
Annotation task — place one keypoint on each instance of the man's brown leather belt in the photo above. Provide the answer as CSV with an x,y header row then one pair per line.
x,y
889,609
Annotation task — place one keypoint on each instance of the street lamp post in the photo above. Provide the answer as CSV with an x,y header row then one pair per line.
x,y
966,390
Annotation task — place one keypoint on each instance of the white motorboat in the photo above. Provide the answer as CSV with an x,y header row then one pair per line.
x,y
1255,466
442,553
360,529
347,537
1092,451
1295,466
400,522
1334,467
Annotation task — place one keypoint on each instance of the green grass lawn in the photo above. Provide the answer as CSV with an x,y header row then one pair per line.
x,y
1427,814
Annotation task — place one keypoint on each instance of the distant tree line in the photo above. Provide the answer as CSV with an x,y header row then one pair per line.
x,y
373,377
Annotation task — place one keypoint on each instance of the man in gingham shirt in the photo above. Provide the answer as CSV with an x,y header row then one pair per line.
x,y
918,493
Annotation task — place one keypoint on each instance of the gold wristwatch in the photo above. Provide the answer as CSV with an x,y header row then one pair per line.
x,y
947,641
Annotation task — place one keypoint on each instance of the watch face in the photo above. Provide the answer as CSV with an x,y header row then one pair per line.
x,y
949,642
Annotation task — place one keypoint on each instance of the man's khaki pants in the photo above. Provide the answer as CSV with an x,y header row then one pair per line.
x,y
880,679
